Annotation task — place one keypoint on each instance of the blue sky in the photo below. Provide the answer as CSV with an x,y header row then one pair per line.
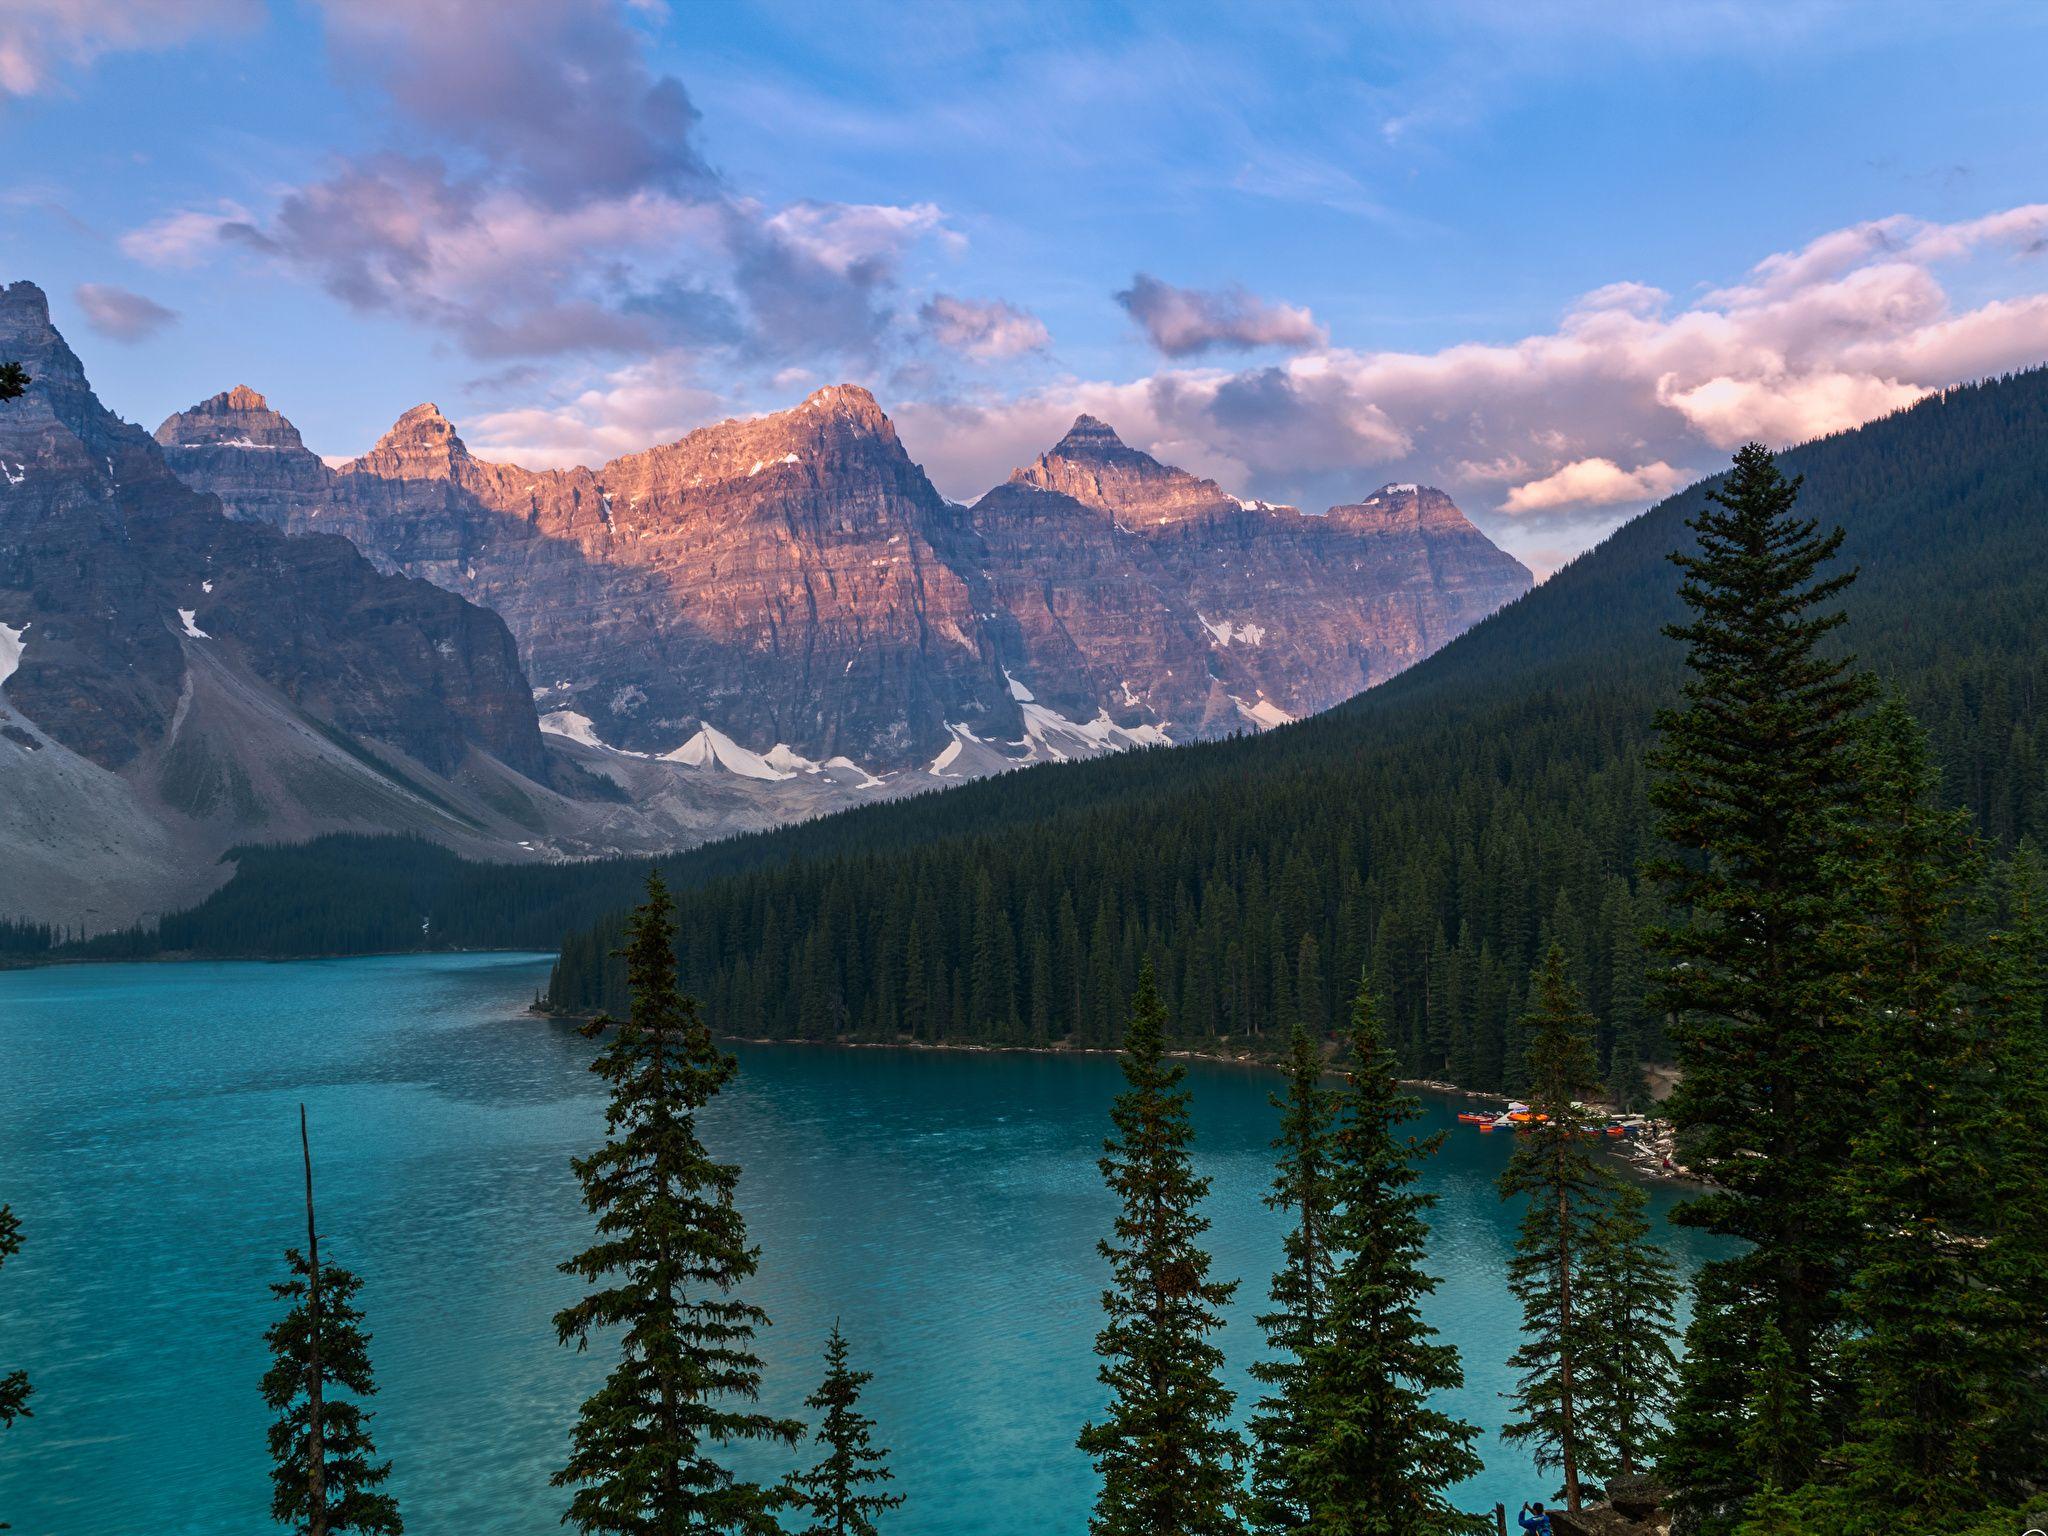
x,y
1305,249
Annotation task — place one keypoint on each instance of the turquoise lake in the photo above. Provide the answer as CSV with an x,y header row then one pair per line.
x,y
943,1206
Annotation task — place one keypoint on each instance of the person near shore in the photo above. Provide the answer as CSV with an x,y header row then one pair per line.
x,y
1535,1519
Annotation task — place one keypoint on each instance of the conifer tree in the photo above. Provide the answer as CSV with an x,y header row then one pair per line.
x,y
1630,1287
14,1385
1555,1168
14,381
324,1476
1924,1343
1300,1290
1375,1457
1166,1451
842,1494
1753,773
2016,1263
671,1250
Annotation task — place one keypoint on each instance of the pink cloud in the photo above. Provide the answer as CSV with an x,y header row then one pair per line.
x,y
1595,483
1182,322
982,329
39,39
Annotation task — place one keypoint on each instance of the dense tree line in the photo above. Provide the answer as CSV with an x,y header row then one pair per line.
x,y
1445,829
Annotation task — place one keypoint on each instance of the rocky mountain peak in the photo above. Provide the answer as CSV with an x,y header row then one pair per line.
x,y
1404,504
847,401
235,418
1090,437
421,445
1097,468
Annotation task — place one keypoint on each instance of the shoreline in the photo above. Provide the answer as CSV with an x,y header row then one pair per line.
x,y
1644,1150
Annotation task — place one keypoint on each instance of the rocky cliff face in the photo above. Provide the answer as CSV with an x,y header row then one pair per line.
x,y
177,680
794,582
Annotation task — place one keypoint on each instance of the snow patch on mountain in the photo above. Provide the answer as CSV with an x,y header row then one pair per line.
x,y
11,647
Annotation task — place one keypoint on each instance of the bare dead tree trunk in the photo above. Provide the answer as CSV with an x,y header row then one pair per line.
x,y
316,1443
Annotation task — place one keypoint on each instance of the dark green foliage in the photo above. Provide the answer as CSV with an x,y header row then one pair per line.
x,y
1432,823
14,381
1753,776
1924,1342
1630,1287
1440,823
326,1357
671,1249
14,1385
25,938
2015,1044
1375,1458
1555,1168
1165,1449
1300,1290
843,1493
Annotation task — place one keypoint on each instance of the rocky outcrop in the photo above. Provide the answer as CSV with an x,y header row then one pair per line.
x,y
1275,613
179,681
793,581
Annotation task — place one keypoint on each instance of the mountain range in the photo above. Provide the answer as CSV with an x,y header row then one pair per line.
x,y
211,638
790,589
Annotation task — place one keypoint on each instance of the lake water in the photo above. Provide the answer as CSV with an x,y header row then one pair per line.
x,y
944,1206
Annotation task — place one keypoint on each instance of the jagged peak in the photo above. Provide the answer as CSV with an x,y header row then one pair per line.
x,y
849,401
234,418
241,398
1090,435
27,298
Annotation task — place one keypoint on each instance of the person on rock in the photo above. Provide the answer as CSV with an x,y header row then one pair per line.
x,y
1535,1520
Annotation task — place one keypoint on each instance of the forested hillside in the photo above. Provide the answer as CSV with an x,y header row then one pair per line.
x,y
1444,827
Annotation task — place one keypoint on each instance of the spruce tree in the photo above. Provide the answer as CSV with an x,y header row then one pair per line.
x,y
1301,1288
842,1494
1924,1341
14,381
14,1385
2016,1263
671,1250
1166,1452
324,1475
1753,774
1375,1459
1555,1167
1629,1288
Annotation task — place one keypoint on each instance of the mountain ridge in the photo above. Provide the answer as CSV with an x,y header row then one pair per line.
x,y
799,584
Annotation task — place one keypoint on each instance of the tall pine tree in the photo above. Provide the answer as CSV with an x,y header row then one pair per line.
x,y
1925,1343
1300,1290
671,1250
2016,1265
14,1385
1753,774
324,1475
1375,1458
1555,1168
1166,1452
1630,1288
843,1494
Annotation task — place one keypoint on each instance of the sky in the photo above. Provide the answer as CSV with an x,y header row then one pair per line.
x,y
1558,259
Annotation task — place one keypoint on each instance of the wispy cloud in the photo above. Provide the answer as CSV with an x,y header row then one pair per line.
x,y
120,315
40,40
1183,322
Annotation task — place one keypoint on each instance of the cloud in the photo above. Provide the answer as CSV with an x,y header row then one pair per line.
x,y
553,92
552,202
655,401
982,329
1182,322
120,315
39,39
1595,483
1531,435
187,238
